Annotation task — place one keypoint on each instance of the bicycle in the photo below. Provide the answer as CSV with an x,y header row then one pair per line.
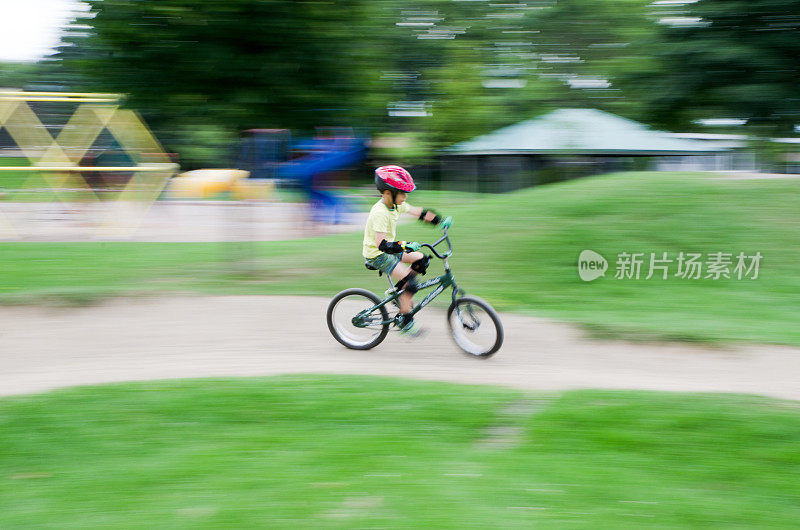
x,y
360,320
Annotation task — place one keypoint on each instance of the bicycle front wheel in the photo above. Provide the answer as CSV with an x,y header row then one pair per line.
x,y
475,326
352,324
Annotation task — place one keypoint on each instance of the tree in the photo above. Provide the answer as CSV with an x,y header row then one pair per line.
x,y
226,66
18,75
517,60
726,58
201,70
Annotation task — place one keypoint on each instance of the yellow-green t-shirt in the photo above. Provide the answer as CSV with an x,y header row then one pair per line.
x,y
381,219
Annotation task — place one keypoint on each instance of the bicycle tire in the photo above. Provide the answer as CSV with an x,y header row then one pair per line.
x,y
340,335
479,352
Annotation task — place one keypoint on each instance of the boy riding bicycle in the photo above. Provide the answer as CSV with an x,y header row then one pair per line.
x,y
401,260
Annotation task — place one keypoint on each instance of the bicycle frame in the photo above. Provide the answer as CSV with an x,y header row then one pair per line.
x,y
442,282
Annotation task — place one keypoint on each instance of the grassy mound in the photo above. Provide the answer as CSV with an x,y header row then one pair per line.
x,y
347,452
517,250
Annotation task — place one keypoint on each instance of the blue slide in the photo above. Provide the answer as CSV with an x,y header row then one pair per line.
x,y
325,155
267,153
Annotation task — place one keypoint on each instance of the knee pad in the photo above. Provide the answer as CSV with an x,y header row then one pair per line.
x,y
409,283
421,265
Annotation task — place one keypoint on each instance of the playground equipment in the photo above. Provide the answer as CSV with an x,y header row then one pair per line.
x,y
69,165
270,154
204,183
210,183
268,158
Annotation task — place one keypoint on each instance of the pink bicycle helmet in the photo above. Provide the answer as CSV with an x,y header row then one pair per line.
x,y
394,179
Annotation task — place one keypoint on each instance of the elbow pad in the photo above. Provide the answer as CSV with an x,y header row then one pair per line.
x,y
390,248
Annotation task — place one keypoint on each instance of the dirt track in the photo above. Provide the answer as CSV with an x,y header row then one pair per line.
x,y
138,339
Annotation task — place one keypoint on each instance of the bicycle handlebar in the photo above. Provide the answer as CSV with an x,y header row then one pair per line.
x,y
443,238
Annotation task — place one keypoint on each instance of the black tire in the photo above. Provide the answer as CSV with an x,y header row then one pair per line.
x,y
494,342
338,330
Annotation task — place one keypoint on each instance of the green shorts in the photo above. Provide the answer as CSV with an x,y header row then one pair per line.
x,y
385,262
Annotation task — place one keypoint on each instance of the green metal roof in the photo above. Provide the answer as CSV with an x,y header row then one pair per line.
x,y
580,131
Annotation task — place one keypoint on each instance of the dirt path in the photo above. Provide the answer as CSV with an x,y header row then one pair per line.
x,y
125,340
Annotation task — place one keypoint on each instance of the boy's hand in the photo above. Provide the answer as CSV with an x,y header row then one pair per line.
x,y
412,246
447,222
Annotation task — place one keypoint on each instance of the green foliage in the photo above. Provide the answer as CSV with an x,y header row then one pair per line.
x,y
230,65
205,143
289,64
740,60
473,66
516,61
18,75
405,148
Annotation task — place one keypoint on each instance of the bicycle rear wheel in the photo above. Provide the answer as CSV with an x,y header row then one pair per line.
x,y
475,326
351,325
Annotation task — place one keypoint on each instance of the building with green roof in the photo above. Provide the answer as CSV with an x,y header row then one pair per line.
x,y
563,144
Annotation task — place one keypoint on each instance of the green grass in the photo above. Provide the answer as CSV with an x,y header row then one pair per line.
x,y
517,250
13,179
345,452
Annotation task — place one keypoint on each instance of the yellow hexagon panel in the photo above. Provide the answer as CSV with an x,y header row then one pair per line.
x,y
54,163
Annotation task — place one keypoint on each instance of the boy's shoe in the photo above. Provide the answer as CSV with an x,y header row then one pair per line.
x,y
413,330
